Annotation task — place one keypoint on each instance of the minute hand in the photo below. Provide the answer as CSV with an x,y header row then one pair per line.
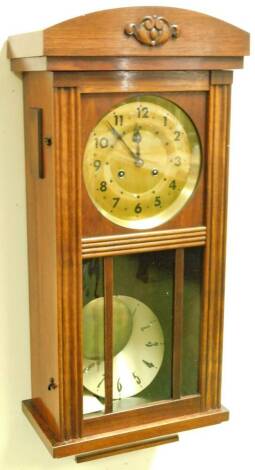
x,y
119,136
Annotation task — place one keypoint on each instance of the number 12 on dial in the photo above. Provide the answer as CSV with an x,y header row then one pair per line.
x,y
142,162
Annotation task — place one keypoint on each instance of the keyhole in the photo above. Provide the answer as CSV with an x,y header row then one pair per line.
x,y
52,385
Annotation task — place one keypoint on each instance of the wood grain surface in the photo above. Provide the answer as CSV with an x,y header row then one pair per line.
x,y
42,256
127,437
214,269
64,64
69,272
102,34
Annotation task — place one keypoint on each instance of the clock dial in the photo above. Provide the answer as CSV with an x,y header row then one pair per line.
x,y
142,162
138,362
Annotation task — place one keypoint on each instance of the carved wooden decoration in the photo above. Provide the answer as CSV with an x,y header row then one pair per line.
x,y
152,30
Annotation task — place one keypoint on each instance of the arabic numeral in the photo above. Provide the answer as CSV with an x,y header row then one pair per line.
x,y
172,184
142,112
103,142
97,164
100,383
157,201
137,378
149,364
165,120
177,136
148,326
116,201
177,161
118,120
119,385
138,208
103,186
90,366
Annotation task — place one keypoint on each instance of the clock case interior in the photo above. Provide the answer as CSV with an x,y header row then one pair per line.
x,y
70,80
106,244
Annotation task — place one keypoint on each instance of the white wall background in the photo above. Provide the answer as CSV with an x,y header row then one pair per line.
x,y
225,446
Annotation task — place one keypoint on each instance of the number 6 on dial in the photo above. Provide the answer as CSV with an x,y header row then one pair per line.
x,y
142,162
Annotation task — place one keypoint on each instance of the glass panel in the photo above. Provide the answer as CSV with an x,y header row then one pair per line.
x,y
142,328
191,320
93,336
142,162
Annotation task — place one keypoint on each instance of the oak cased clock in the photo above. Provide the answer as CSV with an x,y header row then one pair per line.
x,y
126,128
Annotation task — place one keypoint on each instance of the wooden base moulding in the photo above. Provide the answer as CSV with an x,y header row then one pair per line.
x,y
126,448
121,440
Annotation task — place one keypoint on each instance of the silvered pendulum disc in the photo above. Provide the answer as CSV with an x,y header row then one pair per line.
x,y
138,346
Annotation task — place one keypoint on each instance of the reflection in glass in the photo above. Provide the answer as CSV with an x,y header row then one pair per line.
x,y
143,285
142,326
191,320
93,336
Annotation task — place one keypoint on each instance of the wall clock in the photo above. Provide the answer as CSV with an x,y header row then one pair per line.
x,y
126,128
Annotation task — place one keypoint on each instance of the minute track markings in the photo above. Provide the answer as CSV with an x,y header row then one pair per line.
x,y
150,141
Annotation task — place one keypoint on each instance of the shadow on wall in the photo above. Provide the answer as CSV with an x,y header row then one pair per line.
x,y
20,448
14,331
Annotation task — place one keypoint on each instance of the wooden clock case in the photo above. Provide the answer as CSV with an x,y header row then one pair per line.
x,y
73,73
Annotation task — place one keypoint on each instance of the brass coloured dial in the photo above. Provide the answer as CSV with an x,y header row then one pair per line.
x,y
142,162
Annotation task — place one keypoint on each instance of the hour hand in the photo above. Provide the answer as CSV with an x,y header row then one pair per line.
x,y
137,137
119,136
